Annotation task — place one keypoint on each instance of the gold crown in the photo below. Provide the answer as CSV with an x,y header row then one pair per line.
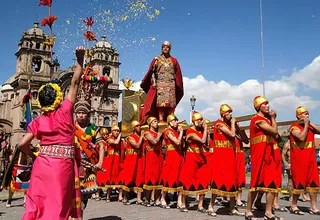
x,y
300,110
196,116
134,123
166,43
258,101
104,131
150,120
115,127
224,108
171,117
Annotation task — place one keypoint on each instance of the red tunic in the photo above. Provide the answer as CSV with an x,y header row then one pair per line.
x,y
139,178
153,166
208,153
101,176
146,84
303,162
173,163
113,164
194,175
265,170
128,174
241,165
224,172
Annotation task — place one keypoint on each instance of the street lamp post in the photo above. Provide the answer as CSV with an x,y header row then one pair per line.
x,y
193,104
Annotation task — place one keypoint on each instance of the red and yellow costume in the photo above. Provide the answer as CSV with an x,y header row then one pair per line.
x,y
154,161
128,174
113,162
173,162
224,172
101,176
158,66
265,170
303,160
139,178
194,174
241,165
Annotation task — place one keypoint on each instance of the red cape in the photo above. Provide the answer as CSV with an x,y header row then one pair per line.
x,y
146,84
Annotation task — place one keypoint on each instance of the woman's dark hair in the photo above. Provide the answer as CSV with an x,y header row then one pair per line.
x,y
47,96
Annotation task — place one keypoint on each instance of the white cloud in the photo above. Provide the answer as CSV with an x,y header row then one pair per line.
x,y
284,95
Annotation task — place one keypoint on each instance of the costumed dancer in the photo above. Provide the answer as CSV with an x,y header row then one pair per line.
x,y
90,145
114,161
173,161
154,159
18,174
163,85
194,175
5,153
52,193
130,165
303,161
102,176
224,172
264,172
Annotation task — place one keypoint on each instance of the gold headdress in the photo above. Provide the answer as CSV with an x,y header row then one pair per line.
x,y
224,108
196,116
57,101
258,101
300,110
134,123
171,117
150,120
104,131
115,128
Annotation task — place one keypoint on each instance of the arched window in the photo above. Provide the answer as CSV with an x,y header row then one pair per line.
x,y
106,121
38,46
36,63
106,71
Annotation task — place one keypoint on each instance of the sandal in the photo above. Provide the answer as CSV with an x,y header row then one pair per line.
x,y
242,204
271,218
296,211
8,205
202,210
107,200
212,213
235,212
183,209
250,217
139,203
280,209
313,212
148,204
97,199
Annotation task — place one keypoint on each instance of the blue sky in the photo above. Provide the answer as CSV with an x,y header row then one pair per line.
x,y
217,39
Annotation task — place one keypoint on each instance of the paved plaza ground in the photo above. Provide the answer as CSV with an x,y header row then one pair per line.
x,y
117,211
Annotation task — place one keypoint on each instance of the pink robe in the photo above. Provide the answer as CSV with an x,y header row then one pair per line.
x,y
52,192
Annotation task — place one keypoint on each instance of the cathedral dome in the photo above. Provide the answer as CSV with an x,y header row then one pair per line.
x,y
103,43
35,30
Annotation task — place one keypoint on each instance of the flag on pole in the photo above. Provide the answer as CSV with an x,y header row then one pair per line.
x,y
27,108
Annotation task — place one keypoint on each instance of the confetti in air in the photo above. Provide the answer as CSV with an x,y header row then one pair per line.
x,y
122,21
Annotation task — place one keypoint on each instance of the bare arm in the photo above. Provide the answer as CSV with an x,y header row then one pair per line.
x,y
115,142
316,128
230,133
202,140
75,81
176,141
135,144
271,129
24,145
101,154
153,140
301,135
285,149
243,136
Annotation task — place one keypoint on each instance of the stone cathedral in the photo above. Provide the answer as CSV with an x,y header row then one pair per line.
x,y
32,72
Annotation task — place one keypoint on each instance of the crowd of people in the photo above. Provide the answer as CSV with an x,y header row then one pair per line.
x,y
76,159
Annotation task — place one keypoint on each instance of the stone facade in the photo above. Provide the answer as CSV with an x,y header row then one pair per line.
x,y
31,72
